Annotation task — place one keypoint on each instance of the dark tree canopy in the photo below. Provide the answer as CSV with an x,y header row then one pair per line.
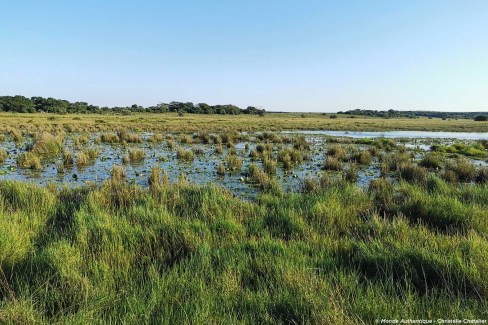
x,y
21,104
413,114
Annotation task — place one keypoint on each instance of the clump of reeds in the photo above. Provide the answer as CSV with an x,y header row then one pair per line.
x,y
269,165
218,149
46,146
3,155
81,140
157,178
332,163
290,157
29,160
68,160
410,172
110,138
124,136
363,157
185,155
265,182
137,155
338,152
460,170
16,135
431,160
156,138
198,151
185,139
220,169
234,162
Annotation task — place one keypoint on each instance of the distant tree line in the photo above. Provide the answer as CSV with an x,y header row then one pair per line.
x,y
414,114
21,104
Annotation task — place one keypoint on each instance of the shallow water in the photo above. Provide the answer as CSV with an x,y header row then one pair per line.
x,y
397,134
201,171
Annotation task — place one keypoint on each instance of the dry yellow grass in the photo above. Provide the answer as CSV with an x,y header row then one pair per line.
x,y
171,122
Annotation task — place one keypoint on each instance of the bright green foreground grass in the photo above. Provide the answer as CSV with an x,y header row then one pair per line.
x,y
186,254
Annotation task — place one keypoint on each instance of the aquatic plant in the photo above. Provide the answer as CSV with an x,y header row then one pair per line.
x,y
220,169
431,160
184,155
156,138
332,163
463,170
234,162
110,138
3,155
363,157
29,160
137,155
46,146
269,165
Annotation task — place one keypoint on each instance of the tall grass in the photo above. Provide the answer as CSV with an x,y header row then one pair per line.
x,y
181,253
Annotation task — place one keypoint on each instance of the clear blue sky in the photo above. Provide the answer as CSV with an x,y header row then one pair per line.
x,y
281,55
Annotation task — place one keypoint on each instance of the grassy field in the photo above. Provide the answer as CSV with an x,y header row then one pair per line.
x,y
179,253
171,122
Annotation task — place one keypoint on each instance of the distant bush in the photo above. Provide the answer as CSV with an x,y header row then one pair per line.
x,y
481,118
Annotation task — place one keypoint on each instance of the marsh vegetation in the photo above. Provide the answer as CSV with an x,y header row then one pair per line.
x,y
128,226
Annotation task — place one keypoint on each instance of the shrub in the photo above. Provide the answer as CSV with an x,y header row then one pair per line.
x,y
481,118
